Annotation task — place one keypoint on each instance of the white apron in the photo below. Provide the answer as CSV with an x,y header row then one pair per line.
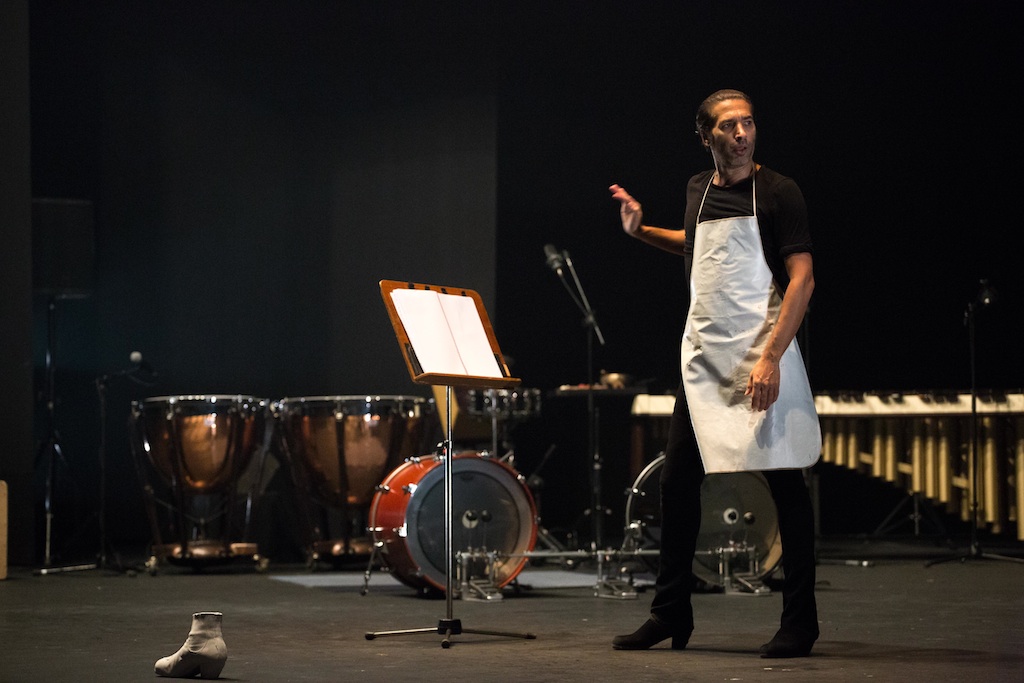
x,y
733,306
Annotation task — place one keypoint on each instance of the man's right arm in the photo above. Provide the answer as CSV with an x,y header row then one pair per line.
x,y
631,213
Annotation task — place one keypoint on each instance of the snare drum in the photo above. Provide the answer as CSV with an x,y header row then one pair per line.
x,y
503,403
492,511
347,444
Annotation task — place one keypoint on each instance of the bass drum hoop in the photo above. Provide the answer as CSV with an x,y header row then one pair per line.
x,y
722,495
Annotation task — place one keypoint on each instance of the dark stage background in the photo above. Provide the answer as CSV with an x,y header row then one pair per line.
x,y
256,168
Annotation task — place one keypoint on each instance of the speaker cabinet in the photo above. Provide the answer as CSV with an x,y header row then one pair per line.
x,y
63,247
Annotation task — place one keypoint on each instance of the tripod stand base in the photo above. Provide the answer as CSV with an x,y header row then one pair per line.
x,y
921,511
64,570
975,553
614,589
103,562
448,628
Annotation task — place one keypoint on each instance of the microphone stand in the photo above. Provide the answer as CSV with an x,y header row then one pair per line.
x,y
51,449
974,551
593,446
104,544
604,587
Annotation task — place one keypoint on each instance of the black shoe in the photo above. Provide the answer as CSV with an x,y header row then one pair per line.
x,y
650,634
788,644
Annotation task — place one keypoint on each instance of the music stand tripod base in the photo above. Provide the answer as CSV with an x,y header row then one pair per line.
x,y
448,628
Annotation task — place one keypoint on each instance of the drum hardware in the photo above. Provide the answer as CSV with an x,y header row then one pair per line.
x,y
483,589
480,586
731,581
735,582
631,552
605,586
609,587
376,549
557,548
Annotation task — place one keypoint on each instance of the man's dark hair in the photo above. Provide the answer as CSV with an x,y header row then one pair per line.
x,y
704,119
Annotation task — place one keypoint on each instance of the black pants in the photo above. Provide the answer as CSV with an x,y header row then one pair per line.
x,y
681,478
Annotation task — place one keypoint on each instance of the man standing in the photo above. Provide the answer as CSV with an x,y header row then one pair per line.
x,y
744,403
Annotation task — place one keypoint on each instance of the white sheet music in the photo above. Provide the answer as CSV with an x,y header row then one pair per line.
x,y
446,333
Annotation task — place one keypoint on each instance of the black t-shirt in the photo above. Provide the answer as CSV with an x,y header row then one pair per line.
x,y
781,215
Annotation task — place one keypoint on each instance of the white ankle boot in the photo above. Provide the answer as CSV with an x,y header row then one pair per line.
x,y
203,653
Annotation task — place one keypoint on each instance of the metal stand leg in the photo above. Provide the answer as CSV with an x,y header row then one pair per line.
x,y
369,567
919,512
448,626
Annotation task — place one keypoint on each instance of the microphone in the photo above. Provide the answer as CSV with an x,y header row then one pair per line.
x,y
137,365
555,258
140,364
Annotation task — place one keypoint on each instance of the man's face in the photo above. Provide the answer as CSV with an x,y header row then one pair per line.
x,y
733,135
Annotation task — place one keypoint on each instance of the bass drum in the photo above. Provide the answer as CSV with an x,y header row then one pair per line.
x,y
736,508
492,511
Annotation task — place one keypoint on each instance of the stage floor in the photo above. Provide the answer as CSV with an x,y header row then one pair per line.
x,y
895,620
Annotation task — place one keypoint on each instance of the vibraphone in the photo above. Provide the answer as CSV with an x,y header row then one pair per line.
x,y
919,442
922,443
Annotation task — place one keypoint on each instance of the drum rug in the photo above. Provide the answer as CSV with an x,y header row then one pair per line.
x,y
535,578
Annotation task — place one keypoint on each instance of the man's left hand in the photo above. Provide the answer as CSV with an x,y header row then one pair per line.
x,y
763,384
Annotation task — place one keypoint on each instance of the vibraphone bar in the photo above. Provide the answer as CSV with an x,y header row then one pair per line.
x,y
921,442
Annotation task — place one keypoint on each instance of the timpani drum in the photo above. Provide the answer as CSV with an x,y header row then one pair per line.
x,y
493,511
340,448
191,453
348,444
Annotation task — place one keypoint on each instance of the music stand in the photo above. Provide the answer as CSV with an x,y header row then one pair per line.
x,y
446,339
